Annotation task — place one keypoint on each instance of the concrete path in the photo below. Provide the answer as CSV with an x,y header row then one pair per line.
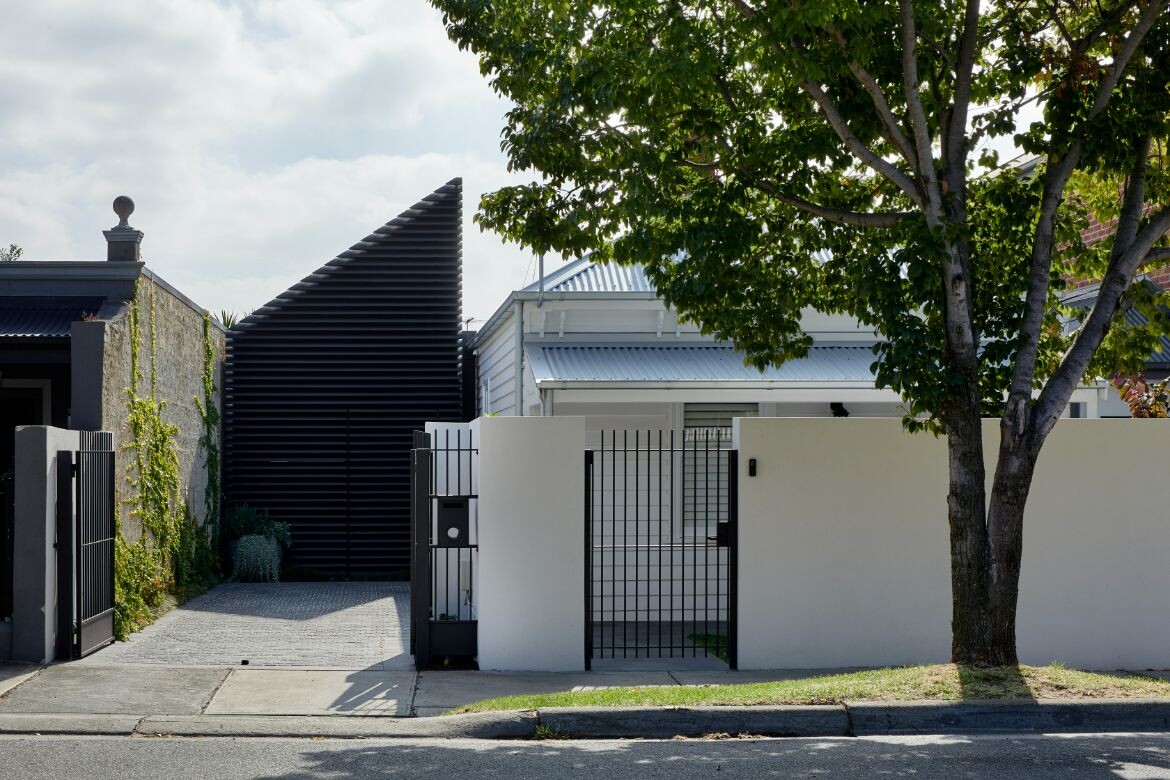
x,y
351,626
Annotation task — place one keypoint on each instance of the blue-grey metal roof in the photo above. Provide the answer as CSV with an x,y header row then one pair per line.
x,y
692,362
584,275
1084,299
26,317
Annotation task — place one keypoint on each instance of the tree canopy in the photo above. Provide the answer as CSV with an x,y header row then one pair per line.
x,y
764,156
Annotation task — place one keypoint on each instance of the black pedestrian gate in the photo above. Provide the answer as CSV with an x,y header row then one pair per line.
x,y
86,528
444,546
660,546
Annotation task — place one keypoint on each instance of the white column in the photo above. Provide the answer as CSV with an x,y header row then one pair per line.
x,y
531,543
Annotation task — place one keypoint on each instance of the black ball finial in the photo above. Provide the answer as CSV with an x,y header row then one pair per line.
x,y
123,207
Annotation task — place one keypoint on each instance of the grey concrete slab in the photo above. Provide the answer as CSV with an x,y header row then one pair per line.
x,y
668,722
73,688
287,692
696,664
299,625
727,677
12,675
454,689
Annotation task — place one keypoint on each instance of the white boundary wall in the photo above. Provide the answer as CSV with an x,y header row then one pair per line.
x,y
531,543
844,554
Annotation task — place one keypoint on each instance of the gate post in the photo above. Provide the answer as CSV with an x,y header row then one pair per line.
x,y
420,546
732,559
588,560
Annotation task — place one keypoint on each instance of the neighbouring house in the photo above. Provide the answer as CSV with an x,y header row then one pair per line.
x,y
68,330
326,384
596,340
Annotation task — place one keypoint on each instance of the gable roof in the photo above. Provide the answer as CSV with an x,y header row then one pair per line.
x,y
584,275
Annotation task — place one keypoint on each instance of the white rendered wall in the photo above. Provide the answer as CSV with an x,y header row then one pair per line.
x,y
844,554
531,543
34,603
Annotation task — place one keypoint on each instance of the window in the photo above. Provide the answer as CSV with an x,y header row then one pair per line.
x,y
706,440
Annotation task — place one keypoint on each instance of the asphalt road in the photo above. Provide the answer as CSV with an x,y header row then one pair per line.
x,y
1128,757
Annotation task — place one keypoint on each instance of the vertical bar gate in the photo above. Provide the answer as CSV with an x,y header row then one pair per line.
x,y
444,545
86,527
660,546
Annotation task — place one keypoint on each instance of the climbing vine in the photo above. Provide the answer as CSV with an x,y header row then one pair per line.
x,y
209,413
174,556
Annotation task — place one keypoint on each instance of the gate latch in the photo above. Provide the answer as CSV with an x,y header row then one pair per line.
x,y
722,537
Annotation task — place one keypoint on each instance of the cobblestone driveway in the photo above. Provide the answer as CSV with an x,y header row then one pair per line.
x,y
308,625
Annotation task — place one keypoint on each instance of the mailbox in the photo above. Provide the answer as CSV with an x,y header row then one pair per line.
x,y
453,521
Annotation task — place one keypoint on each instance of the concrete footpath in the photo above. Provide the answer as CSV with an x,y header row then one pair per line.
x,y
216,701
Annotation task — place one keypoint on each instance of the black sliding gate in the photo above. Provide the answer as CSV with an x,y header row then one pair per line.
x,y
444,546
85,546
660,546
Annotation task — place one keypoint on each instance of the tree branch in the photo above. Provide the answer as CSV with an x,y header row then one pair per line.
x,y
863,152
1122,267
1056,176
840,216
954,143
926,167
893,128
1160,255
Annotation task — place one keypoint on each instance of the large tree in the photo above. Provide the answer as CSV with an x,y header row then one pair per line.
x,y
761,156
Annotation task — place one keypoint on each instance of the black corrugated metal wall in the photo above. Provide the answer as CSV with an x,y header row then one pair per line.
x,y
324,385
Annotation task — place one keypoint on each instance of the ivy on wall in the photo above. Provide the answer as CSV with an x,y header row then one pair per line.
x,y
174,557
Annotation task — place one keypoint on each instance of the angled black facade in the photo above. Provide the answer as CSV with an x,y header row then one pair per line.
x,y
324,386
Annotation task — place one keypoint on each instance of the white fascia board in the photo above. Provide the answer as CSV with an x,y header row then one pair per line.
x,y
680,393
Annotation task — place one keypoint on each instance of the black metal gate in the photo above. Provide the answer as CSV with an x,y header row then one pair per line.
x,y
86,528
7,519
660,546
444,546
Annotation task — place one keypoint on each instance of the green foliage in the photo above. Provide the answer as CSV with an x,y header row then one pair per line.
x,y
174,556
257,559
689,137
209,439
244,520
13,252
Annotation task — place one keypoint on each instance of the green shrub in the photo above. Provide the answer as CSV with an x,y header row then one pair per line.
x,y
243,520
257,559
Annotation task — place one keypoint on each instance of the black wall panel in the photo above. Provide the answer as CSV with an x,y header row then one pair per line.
x,y
325,384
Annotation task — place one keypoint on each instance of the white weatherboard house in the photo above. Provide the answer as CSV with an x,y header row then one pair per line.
x,y
596,341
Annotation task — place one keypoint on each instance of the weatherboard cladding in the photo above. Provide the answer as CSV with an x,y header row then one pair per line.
x,y
692,363
325,385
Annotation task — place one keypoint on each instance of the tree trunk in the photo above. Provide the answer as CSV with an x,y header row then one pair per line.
x,y
966,505
1005,529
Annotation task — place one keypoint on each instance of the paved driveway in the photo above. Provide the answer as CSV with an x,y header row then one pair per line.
x,y
289,625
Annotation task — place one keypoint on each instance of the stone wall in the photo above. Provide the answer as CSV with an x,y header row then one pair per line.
x,y
178,330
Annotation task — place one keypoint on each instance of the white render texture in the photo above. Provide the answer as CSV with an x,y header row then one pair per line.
x,y
531,539
844,553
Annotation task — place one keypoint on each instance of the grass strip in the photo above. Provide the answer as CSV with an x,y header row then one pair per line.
x,y
943,682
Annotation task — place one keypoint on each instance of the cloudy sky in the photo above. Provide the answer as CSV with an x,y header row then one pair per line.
x,y
258,138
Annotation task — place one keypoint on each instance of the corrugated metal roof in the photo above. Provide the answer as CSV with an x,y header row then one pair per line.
x,y
584,275
703,362
22,317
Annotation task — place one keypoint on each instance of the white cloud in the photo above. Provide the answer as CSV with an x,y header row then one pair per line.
x,y
259,139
